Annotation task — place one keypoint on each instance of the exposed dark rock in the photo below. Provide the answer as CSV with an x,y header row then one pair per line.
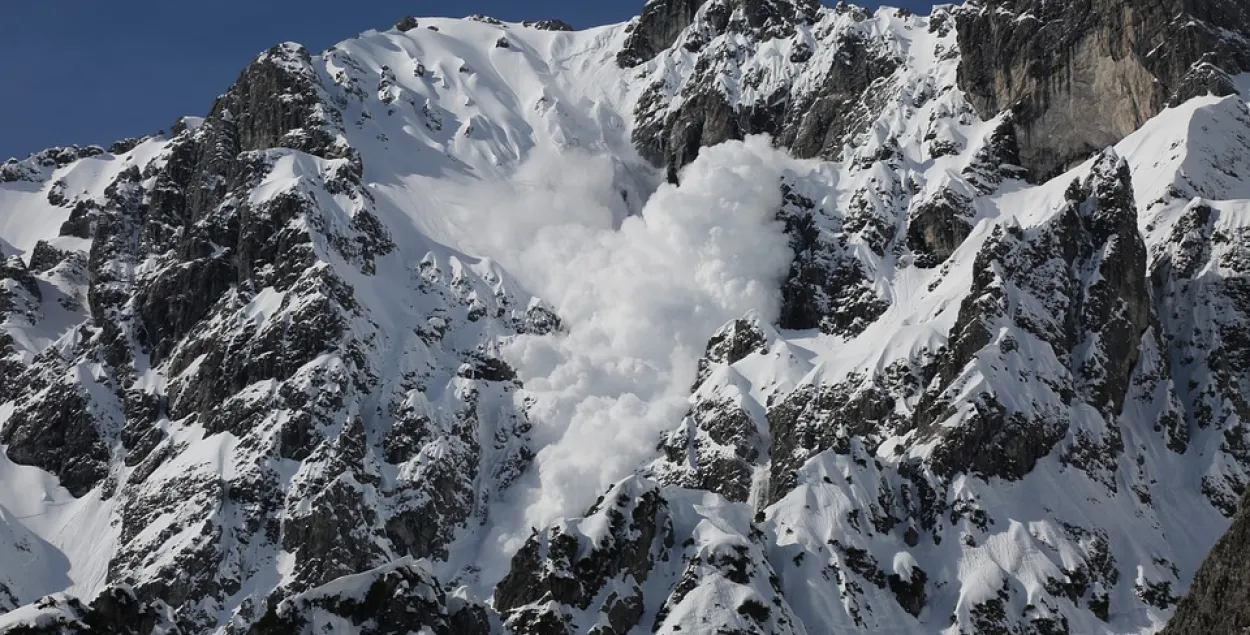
x,y
54,430
718,443
12,268
406,23
338,534
560,565
1116,308
997,159
487,369
740,571
826,288
1079,76
274,103
813,419
435,500
716,448
115,611
539,320
621,613
125,145
809,123
33,168
656,29
1204,78
397,598
1216,600
1086,269
548,25
12,171
44,257
179,297
938,226
208,249
817,124
730,344
1109,310
56,194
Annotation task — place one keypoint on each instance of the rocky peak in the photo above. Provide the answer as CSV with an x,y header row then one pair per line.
x,y
592,567
812,105
397,597
1079,76
115,611
548,25
14,269
731,343
285,405
663,21
762,19
1084,274
656,29
407,23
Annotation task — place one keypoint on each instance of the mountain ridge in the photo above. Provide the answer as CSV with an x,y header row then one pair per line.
x,y
353,352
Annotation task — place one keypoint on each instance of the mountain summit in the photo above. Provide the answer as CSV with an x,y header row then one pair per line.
x,y
746,316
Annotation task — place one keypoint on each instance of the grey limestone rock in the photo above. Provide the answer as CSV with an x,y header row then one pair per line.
x,y
396,598
1216,602
1079,76
115,611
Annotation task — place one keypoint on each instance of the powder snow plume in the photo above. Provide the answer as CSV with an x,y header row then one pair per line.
x,y
638,303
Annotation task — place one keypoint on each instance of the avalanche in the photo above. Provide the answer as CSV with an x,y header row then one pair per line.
x,y
741,317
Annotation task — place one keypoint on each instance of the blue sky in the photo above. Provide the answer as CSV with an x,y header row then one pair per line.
x,y
92,71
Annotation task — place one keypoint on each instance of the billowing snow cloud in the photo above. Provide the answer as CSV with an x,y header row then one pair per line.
x,y
638,301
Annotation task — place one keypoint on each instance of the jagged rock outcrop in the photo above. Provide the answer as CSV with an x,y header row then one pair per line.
x,y
19,296
1078,76
1198,278
997,159
247,307
814,419
548,25
1216,602
938,226
811,109
656,29
116,611
396,598
717,571
30,170
594,567
720,442
1077,284
731,344
250,362
716,448
827,287
1087,271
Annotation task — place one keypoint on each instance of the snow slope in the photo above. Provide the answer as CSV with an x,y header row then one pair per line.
x,y
420,336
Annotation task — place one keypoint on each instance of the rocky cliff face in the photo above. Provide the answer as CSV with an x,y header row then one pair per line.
x,y
280,370
1216,600
1082,75
245,299
115,610
813,107
1076,76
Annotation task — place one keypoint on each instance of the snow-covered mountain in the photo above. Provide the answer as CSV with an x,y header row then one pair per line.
x,y
747,316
